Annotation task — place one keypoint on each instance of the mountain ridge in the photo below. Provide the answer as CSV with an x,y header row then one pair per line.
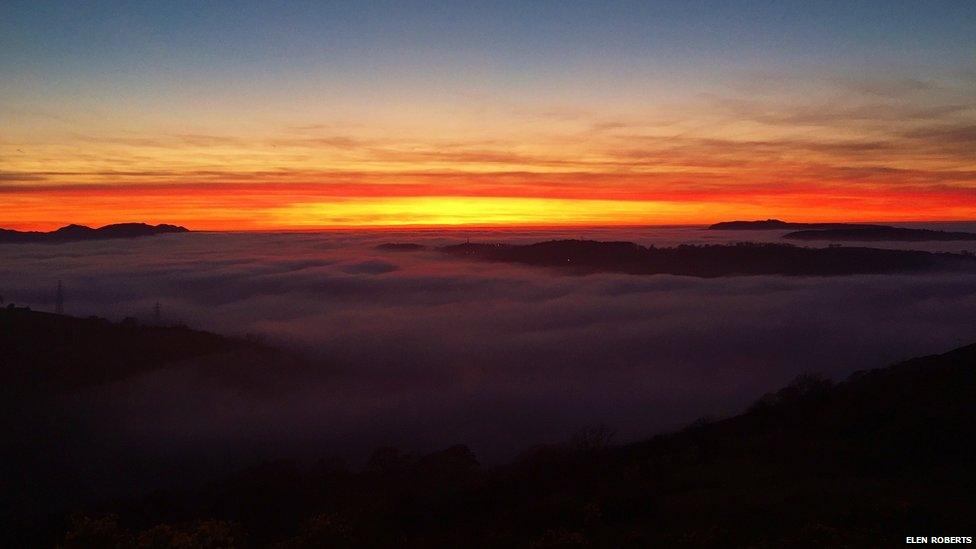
x,y
712,260
880,233
74,233
777,224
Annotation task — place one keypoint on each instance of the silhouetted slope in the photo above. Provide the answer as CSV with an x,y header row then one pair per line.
x,y
588,256
71,233
863,463
776,224
879,233
50,365
44,352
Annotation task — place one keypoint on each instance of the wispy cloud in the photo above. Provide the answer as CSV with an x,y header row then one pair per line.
x,y
878,133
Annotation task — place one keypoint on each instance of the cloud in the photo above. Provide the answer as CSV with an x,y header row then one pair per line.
x,y
370,267
422,351
797,145
964,135
21,177
887,85
833,112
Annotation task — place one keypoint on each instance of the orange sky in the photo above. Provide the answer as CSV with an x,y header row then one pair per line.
x,y
828,153
563,175
162,128
259,206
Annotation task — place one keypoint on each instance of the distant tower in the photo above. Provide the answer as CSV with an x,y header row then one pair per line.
x,y
157,314
59,300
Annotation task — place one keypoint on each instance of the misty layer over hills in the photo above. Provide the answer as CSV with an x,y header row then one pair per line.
x,y
835,444
421,351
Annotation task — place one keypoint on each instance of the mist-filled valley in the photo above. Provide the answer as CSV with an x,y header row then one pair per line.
x,y
224,351
420,350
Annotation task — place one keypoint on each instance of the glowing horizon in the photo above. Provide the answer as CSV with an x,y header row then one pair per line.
x,y
258,119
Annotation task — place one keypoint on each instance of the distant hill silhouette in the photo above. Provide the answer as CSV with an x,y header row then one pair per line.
x,y
401,247
589,256
776,224
844,231
71,233
885,454
879,233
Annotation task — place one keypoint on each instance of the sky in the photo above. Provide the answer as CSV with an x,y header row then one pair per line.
x,y
293,115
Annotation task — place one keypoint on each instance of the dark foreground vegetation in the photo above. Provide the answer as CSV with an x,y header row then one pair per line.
x,y
48,364
885,454
73,233
589,256
45,353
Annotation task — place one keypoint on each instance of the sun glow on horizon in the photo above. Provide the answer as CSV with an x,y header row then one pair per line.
x,y
486,211
497,115
268,208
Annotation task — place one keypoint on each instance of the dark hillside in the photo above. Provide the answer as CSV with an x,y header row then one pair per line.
x,y
862,463
44,352
880,234
48,363
590,256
